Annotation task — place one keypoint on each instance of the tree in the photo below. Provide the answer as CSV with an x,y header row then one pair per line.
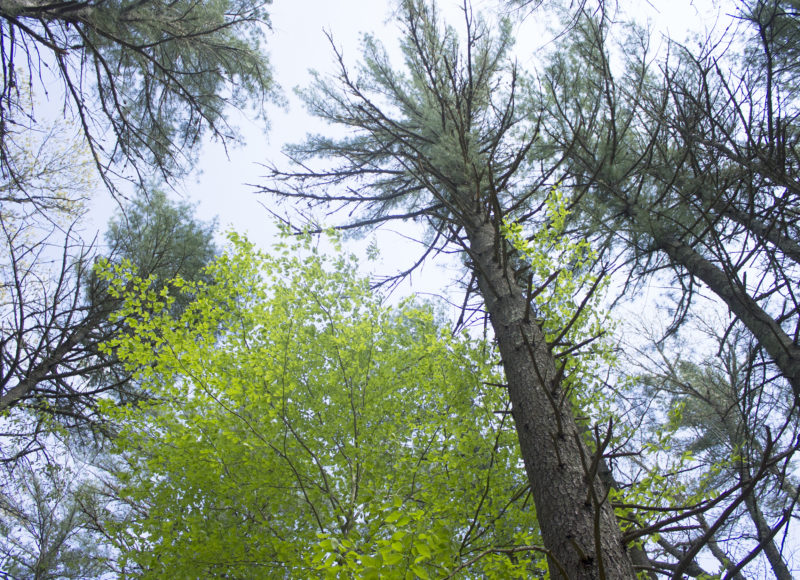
x,y
679,174
52,369
300,427
449,142
39,243
730,428
678,171
53,374
53,315
160,237
144,81
46,532
156,75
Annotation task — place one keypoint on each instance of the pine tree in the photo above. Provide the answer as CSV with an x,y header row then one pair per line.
x,y
448,141
157,75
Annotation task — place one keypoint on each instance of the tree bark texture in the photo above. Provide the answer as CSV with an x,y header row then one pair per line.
x,y
577,522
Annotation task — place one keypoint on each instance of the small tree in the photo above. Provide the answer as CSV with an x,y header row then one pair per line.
x,y
299,427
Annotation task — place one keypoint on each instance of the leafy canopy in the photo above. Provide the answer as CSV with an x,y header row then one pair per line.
x,y
301,427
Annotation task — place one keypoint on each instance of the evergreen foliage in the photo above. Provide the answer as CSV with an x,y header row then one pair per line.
x,y
170,411
158,75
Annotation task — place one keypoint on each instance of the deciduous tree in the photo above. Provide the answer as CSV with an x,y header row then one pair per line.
x,y
300,427
56,317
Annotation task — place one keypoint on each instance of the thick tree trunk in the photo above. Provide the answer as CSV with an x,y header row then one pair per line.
x,y
577,522
766,330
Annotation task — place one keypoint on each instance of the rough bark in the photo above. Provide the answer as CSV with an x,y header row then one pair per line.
x,y
577,522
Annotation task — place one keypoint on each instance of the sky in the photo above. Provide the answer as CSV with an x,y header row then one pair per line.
x,y
297,44
222,185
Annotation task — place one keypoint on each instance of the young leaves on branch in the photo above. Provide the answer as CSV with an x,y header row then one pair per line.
x,y
299,426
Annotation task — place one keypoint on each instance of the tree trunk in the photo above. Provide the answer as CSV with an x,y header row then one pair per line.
x,y
766,330
779,567
578,524
718,552
765,533
41,369
766,232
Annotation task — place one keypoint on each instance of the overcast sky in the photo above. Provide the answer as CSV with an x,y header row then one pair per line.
x,y
298,43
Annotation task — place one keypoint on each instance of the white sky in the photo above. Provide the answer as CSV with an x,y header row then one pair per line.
x,y
296,44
